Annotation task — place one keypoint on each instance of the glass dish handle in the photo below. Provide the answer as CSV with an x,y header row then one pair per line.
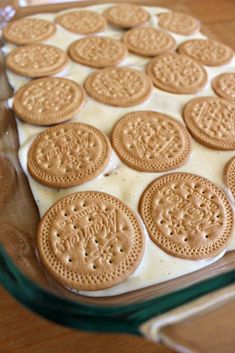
x,y
205,325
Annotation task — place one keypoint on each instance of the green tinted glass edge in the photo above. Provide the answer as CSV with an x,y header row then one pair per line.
x,y
125,318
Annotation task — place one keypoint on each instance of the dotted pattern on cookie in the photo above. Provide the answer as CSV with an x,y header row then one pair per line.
x,y
178,22
207,52
211,121
28,30
36,60
176,73
90,241
151,142
187,216
126,15
8,180
98,51
68,154
119,86
148,41
229,175
82,22
48,101
224,85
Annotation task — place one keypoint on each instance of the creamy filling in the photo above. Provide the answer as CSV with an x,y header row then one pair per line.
x,y
118,179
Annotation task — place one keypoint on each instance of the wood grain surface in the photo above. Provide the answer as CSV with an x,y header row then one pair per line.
x,y
24,332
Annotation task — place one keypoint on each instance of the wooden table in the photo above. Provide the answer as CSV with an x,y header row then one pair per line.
x,y
24,332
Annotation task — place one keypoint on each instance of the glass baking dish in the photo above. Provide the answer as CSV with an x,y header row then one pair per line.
x,y
123,313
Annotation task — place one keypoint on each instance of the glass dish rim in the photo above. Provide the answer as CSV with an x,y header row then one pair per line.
x,y
100,318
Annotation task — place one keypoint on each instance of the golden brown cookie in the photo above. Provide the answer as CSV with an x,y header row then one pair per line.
x,y
151,142
97,51
148,41
207,52
119,86
20,247
224,85
126,15
68,155
229,175
176,73
36,60
178,22
82,22
211,121
28,30
48,101
187,216
90,241
7,180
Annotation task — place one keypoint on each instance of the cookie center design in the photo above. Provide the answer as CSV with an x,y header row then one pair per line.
x,y
176,21
185,213
148,38
96,49
50,96
81,21
37,57
206,51
179,72
153,141
68,152
30,28
228,85
118,84
215,119
91,236
127,14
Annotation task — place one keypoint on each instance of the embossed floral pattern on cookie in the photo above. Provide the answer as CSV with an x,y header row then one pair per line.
x,y
97,51
224,85
207,51
48,101
176,73
148,41
28,30
90,241
82,22
68,155
211,121
36,60
178,22
119,86
187,216
151,142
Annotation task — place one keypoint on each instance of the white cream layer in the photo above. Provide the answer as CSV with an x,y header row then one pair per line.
x,y
123,182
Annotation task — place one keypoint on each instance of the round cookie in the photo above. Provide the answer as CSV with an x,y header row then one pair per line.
x,y
119,86
48,101
28,30
8,180
187,216
148,41
82,22
176,73
178,22
97,51
207,51
229,175
211,121
151,142
68,154
90,241
36,60
126,15
224,85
